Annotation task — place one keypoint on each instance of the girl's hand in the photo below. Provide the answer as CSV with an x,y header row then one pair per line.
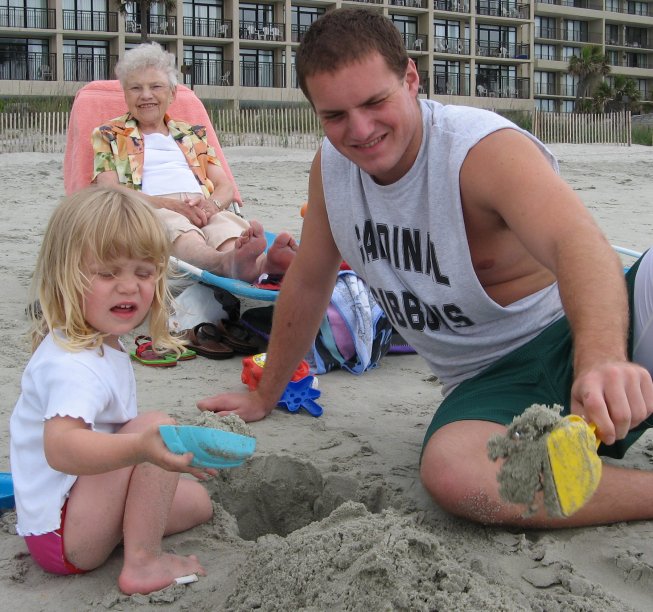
x,y
156,452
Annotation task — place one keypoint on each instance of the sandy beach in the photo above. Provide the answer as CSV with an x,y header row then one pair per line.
x,y
329,513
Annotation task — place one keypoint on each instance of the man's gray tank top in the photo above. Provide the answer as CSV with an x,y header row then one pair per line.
x,y
407,241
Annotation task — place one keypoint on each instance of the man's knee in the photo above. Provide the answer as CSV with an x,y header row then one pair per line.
x,y
457,472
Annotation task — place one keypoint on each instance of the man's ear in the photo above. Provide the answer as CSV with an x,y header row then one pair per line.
x,y
412,77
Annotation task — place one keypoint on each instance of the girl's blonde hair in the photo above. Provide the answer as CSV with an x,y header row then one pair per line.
x,y
96,224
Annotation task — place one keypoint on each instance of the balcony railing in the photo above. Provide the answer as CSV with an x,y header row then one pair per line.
x,y
458,46
262,74
90,21
208,72
632,8
219,72
17,17
424,82
451,84
416,42
297,33
503,87
162,24
566,35
254,30
546,89
28,67
452,6
409,3
208,28
503,9
503,50
87,68
633,60
584,4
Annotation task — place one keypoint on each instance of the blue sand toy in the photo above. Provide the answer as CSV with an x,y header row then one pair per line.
x,y
211,448
300,394
6,492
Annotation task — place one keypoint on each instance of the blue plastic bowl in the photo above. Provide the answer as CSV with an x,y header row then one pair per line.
x,y
211,448
6,492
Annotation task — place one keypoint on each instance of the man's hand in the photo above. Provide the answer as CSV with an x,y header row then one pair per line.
x,y
248,406
616,396
189,208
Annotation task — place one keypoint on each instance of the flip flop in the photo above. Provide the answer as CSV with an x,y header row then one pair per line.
x,y
185,356
206,340
271,282
240,339
145,354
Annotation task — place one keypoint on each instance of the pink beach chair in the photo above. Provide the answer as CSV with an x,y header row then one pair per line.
x,y
101,100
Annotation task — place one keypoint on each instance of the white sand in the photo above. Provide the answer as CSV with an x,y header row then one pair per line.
x,y
389,548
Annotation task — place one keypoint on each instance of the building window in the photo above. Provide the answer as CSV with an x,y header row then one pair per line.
x,y
569,84
203,18
545,27
302,18
24,14
545,52
637,8
567,106
256,68
545,105
544,83
256,15
407,27
446,75
86,60
24,59
204,65
576,30
568,52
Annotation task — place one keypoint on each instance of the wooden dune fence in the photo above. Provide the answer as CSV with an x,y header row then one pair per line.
x,y
296,128
583,128
33,132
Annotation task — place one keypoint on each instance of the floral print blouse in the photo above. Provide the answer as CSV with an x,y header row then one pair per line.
x,y
118,146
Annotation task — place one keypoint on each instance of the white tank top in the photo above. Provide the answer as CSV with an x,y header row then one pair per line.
x,y
165,169
407,240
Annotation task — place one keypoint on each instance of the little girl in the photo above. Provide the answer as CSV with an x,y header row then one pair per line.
x,y
88,472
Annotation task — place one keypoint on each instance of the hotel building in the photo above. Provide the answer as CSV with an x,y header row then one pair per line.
x,y
500,54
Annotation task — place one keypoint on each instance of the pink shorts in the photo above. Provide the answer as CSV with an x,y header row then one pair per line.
x,y
47,550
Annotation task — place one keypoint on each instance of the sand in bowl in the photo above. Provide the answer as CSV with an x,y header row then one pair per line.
x,y
526,470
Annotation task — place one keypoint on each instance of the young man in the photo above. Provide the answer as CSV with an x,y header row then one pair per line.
x,y
483,258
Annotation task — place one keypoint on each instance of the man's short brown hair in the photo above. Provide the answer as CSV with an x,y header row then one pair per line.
x,y
344,36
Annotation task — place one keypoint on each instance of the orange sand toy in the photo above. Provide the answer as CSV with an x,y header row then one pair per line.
x,y
253,370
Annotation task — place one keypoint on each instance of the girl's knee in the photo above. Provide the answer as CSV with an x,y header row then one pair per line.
x,y
145,420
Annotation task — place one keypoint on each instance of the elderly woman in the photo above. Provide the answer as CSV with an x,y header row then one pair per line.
x,y
172,164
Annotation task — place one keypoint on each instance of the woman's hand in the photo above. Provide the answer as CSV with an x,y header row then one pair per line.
x,y
208,206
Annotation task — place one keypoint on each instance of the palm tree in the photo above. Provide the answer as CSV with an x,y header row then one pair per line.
x,y
590,67
603,94
144,6
626,93
622,95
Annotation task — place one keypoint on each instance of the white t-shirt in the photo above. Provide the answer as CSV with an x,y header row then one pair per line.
x,y
165,169
100,389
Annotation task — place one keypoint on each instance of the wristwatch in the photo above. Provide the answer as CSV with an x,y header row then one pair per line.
x,y
217,203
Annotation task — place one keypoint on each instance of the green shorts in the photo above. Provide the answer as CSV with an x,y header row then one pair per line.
x,y
540,372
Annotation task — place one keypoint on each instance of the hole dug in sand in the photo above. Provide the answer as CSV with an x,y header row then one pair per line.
x,y
278,494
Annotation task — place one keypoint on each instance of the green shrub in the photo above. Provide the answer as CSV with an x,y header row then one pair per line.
x,y
642,135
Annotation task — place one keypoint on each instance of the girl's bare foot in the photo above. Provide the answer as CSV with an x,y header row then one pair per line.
x,y
152,572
